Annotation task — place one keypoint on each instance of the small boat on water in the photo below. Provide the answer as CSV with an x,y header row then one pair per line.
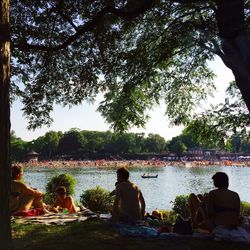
x,y
149,176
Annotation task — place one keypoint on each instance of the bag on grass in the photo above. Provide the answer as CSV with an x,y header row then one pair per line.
x,y
182,226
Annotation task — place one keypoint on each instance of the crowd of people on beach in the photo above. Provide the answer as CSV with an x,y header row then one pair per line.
x,y
131,163
94,163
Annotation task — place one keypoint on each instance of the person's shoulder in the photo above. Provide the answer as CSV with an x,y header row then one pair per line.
x,y
18,183
69,197
134,186
125,184
213,191
120,185
219,192
233,193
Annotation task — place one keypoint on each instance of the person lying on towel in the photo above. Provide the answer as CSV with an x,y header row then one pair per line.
x,y
64,202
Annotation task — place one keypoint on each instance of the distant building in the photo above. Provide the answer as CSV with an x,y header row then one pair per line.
x,y
194,154
211,154
202,154
240,156
32,156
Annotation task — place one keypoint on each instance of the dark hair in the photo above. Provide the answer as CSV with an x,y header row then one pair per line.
x,y
61,189
123,172
221,180
16,170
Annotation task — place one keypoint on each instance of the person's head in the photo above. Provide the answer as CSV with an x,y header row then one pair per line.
x,y
16,172
220,180
61,191
122,174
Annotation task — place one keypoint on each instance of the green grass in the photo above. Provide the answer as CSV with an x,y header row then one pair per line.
x,y
245,208
97,235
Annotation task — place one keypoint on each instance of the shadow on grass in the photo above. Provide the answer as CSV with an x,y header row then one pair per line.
x,y
97,235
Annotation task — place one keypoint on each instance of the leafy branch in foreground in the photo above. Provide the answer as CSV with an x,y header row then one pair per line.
x,y
223,120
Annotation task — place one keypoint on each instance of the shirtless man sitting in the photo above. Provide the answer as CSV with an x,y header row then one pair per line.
x,y
23,197
220,207
129,204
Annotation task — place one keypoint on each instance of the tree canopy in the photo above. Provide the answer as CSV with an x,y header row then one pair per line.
x,y
134,52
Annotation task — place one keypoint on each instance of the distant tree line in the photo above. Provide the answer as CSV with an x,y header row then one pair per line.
x,y
201,135
82,144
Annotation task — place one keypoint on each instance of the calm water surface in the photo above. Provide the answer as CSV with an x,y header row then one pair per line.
x,y
158,192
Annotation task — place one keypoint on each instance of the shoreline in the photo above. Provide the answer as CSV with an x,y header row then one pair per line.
x,y
131,164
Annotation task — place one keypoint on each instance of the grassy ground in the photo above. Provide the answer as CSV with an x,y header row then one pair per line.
x,y
99,235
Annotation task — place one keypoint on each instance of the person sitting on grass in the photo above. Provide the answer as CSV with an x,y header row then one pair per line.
x,y
23,197
219,207
129,204
64,202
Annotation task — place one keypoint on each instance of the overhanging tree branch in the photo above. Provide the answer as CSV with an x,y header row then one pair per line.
x,y
64,16
123,13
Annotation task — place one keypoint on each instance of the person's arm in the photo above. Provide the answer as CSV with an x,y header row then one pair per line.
x,y
143,205
112,193
30,191
115,211
56,205
209,208
71,205
238,204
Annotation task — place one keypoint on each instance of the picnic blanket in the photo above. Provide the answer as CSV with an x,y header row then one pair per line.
x,y
56,218
144,231
220,233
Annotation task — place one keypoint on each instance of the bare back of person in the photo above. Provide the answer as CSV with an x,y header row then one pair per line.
x,y
224,207
220,207
129,203
129,195
25,198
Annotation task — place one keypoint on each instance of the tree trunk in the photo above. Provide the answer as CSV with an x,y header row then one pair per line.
x,y
235,43
236,56
5,227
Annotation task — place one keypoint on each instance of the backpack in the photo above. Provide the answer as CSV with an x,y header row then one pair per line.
x,y
182,226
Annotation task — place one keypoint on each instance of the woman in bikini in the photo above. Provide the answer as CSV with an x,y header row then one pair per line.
x,y
23,197
219,207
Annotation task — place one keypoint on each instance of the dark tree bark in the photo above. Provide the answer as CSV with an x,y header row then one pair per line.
x,y
235,43
5,227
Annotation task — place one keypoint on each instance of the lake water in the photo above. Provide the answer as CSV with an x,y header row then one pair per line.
x,y
158,192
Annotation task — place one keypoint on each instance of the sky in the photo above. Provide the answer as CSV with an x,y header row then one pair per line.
x,y
85,116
